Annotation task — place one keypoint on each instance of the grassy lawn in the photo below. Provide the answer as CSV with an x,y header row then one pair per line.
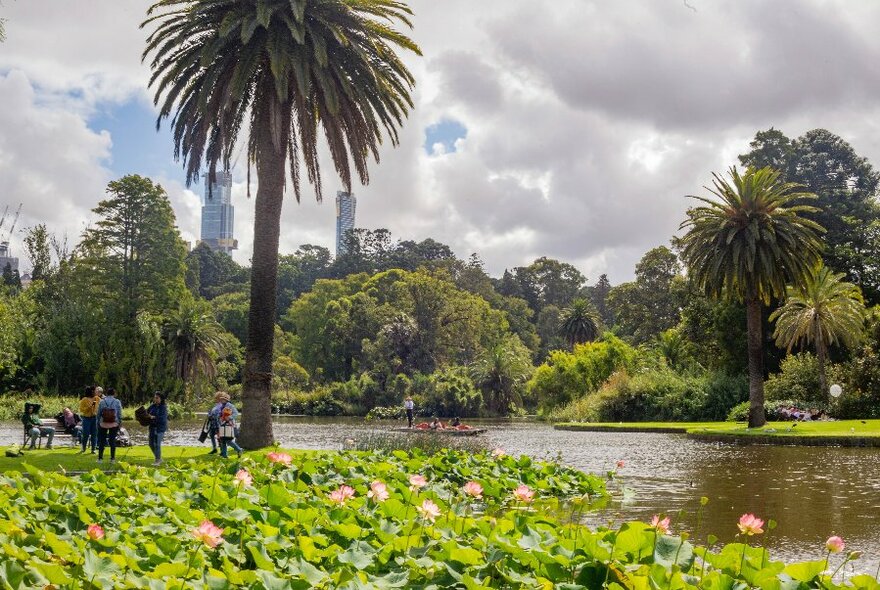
x,y
69,459
837,429
638,426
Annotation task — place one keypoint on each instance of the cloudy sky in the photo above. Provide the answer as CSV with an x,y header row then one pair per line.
x,y
571,129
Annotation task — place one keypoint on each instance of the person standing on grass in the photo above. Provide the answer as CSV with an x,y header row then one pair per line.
x,y
226,434
109,421
88,411
409,406
158,413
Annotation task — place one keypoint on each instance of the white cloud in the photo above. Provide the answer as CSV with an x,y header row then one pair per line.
x,y
49,160
586,125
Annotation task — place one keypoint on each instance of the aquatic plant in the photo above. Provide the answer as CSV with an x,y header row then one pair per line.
x,y
357,520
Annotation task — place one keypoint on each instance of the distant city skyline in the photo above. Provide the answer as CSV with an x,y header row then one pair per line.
x,y
218,214
346,206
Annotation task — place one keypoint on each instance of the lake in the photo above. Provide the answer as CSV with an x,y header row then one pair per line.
x,y
812,492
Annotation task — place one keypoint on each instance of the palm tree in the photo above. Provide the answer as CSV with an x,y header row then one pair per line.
x,y
823,311
579,323
192,334
277,72
500,372
747,245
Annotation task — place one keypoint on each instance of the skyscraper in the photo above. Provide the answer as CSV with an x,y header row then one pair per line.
x,y
346,203
218,214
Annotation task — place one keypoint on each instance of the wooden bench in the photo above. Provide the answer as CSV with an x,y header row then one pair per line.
x,y
46,422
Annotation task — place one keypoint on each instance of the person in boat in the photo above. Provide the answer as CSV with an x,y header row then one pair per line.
x,y
456,422
436,424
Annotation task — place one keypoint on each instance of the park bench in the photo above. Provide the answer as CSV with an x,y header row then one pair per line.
x,y
51,422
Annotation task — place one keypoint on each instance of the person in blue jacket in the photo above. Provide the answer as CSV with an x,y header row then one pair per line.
x,y
158,413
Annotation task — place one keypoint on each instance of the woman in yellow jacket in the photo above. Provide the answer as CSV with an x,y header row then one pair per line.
x,y
88,411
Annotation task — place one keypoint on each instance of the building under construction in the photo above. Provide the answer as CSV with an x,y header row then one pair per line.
x,y
5,236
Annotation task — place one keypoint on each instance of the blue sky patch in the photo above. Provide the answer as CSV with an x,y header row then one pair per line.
x,y
445,133
137,147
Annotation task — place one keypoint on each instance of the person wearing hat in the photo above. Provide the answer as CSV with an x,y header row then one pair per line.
x,y
32,418
158,413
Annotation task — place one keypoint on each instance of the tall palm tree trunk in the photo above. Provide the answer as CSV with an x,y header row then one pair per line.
x,y
754,329
256,423
821,355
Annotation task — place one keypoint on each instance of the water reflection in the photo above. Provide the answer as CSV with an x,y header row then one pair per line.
x,y
812,492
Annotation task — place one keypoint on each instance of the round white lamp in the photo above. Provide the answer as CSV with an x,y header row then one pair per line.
x,y
835,390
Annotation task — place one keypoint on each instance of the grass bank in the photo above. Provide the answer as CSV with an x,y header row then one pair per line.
x,y
680,427
831,433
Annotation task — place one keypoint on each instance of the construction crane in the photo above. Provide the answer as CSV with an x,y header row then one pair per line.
x,y
14,221
3,218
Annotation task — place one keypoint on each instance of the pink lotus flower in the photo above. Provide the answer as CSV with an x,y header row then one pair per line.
x,y
342,495
474,490
835,544
621,464
208,533
429,510
378,491
416,482
523,494
749,524
244,478
498,453
661,526
282,458
95,532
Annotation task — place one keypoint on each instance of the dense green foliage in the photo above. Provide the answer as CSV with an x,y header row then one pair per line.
x,y
394,318
658,395
570,375
357,520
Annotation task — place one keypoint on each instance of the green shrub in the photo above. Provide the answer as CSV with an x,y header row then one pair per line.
x,y
567,376
320,402
658,394
723,392
860,379
740,412
449,392
797,380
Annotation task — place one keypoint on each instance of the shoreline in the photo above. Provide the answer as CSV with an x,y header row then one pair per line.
x,y
842,433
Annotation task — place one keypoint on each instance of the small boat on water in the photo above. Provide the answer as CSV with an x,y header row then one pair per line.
x,y
443,431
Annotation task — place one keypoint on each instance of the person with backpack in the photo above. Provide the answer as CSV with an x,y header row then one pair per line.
x,y
214,419
158,413
226,433
110,419
88,411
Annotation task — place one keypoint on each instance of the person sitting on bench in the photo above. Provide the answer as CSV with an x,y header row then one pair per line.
x,y
31,418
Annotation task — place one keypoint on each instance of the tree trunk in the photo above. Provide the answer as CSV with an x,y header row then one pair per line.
x,y
754,328
821,355
256,416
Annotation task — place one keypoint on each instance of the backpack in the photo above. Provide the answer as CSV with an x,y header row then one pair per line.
x,y
108,416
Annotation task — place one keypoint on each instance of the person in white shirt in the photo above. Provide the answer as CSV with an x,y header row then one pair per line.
x,y
409,405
